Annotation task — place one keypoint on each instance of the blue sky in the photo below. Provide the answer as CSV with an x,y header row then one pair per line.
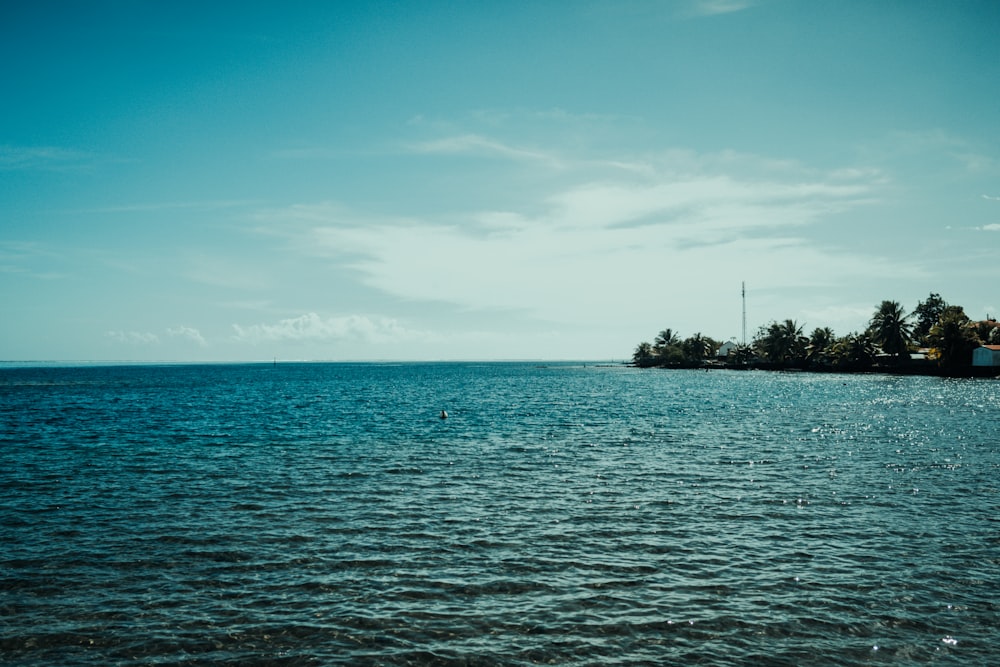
x,y
486,180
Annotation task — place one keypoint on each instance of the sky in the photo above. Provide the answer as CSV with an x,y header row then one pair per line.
x,y
481,180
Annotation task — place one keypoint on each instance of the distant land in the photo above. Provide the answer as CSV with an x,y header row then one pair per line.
x,y
936,338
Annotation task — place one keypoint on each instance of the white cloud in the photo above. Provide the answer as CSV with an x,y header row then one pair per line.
x,y
40,157
478,145
311,327
134,337
247,304
705,204
946,147
989,228
975,162
991,198
670,233
22,257
189,333
590,242
712,7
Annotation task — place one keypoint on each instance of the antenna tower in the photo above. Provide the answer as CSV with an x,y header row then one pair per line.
x,y
744,290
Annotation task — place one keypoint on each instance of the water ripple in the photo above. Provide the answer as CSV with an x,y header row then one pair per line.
x,y
323,514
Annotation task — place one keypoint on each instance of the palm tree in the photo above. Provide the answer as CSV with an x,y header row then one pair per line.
x,y
855,351
782,343
697,347
667,348
742,354
890,330
643,355
666,338
820,342
953,338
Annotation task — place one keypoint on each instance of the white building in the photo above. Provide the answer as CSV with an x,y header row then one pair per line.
x,y
726,349
987,355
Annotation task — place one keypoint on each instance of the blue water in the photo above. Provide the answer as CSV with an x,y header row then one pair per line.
x,y
318,514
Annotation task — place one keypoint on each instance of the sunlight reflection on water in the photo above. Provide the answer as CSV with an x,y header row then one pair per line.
x,y
316,514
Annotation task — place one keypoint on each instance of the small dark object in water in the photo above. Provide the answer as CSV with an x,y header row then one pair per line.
x,y
444,415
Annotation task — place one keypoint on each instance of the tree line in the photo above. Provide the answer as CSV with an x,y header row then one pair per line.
x,y
942,333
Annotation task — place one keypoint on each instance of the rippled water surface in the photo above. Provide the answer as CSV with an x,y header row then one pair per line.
x,y
565,514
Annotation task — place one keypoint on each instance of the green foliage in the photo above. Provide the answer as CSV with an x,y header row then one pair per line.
x,y
781,343
668,348
855,351
927,314
666,338
953,338
742,355
697,347
672,356
890,329
945,328
643,355
988,332
819,350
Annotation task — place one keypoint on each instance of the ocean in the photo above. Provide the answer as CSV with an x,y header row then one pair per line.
x,y
564,514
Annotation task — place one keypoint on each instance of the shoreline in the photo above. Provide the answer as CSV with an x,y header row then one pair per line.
x,y
987,372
